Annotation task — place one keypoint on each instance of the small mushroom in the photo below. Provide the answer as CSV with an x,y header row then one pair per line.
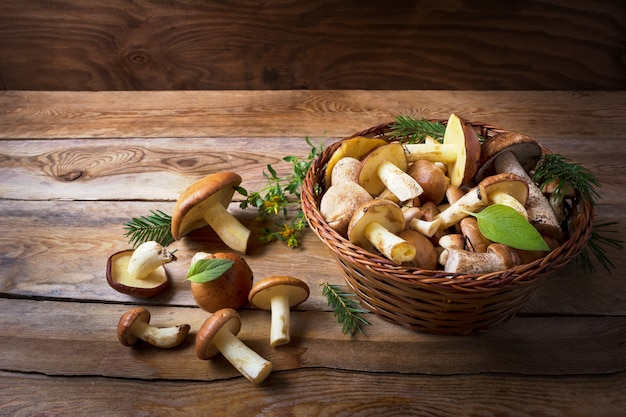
x,y
205,202
510,152
507,189
218,334
497,258
433,180
139,272
375,225
474,239
279,294
556,197
473,201
230,290
425,252
385,167
356,147
460,151
448,242
135,325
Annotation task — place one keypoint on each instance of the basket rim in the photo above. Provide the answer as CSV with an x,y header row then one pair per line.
x,y
580,231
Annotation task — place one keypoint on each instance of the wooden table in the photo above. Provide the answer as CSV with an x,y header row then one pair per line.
x,y
75,166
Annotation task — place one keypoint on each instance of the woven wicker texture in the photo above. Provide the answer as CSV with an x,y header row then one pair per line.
x,y
436,301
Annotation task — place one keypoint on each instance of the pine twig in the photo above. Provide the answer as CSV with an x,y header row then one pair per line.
x,y
157,227
345,308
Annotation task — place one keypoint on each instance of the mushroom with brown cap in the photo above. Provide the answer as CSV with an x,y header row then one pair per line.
x,y
356,147
507,189
230,289
205,202
460,151
425,252
431,178
385,168
140,272
278,294
375,225
218,334
498,257
510,152
134,325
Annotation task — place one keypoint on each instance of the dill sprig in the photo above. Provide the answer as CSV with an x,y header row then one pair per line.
x,y
597,245
345,308
556,167
281,198
155,227
416,130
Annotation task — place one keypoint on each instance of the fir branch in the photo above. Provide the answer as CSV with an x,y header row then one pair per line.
x,y
416,130
556,167
155,227
598,245
345,308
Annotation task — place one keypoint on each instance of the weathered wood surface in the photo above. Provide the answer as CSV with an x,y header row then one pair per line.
x,y
299,44
75,166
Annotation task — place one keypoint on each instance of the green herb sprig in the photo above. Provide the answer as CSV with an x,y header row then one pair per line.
x,y
155,227
281,197
598,244
555,167
345,308
416,130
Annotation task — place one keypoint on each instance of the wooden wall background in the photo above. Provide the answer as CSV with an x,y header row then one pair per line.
x,y
312,44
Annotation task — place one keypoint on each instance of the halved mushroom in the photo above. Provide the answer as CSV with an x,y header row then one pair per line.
x,y
135,325
385,167
219,334
139,272
279,294
375,225
205,202
460,151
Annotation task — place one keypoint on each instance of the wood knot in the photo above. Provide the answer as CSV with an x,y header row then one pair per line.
x,y
73,175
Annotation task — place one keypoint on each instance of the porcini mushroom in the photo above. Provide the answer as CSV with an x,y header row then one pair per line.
x,y
205,202
510,152
425,252
472,201
497,258
433,180
385,167
460,151
507,189
279,294
229,290
375,225
135,325
140,272
218,334
356,147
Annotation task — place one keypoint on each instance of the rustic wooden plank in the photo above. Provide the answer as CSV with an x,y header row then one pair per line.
x,y
87,345
332,114
146,45
319,392
75,239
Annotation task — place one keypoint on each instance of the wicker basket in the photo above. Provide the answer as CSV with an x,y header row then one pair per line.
x,y
436,301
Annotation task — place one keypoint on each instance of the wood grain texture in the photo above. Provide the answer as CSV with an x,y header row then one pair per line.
x,y
295,44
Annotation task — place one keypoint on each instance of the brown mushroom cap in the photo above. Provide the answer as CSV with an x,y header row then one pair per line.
x,y
217,188
226,318
462,134
119,279
229,290
432,179
125,325
507,183
355,147
425,252
526,150
368,177
296,291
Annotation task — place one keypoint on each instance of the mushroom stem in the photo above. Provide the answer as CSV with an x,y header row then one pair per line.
x,y
279,331
390,245
227,227
433,152
508,200
249,363
146,258
474,200
497,258
398,182
163,337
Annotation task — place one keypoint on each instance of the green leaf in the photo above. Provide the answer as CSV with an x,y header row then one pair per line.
x,y
206,270
502,224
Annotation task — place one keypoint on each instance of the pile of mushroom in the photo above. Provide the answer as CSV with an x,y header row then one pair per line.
x,y
411,203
